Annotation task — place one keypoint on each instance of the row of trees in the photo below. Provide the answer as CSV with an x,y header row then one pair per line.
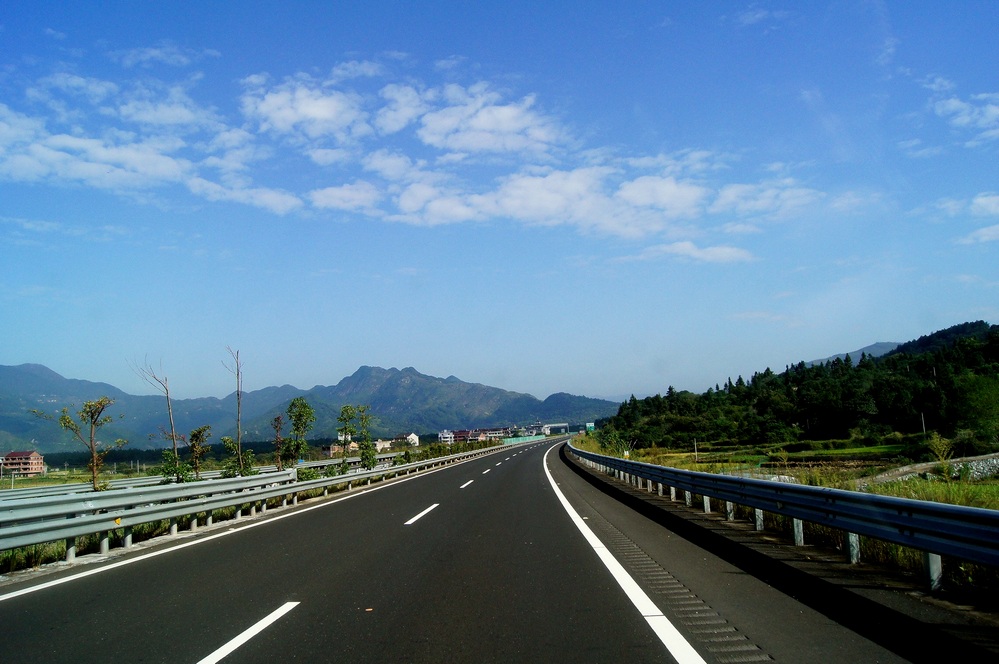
x,y
947,382
348,429
85,426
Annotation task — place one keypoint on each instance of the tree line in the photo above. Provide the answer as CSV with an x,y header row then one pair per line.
x,y
946,383
179,465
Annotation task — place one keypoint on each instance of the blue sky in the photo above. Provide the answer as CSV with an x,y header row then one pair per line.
x,y
544,197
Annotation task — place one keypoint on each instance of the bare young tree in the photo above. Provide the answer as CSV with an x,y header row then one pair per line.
x,y
236,369
161,383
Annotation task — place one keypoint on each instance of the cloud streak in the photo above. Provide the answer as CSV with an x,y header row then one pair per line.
x,y
394,150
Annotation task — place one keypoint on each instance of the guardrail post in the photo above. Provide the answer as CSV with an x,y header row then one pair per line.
x,y
729,510
660,491
707,504
294,498
758,518
934,569
127,541
253,509
263,506
688,498
70,549
173,526
105,543
799,532
194,523
672,494
853,547
239,513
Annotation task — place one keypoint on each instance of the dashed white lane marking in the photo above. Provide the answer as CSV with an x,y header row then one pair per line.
x,y
232,530
677,646
466,484
486,471
260,626
421,515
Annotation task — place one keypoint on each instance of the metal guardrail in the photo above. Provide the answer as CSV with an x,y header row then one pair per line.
x,y
967,533
38,520
151,480
28,520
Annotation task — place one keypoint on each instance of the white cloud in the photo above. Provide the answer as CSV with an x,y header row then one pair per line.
x,y
177,112
572,197
987,234
887,54
854,201
914,148
166,53
980,113
279,202
306,107
359,195
985,204
751,16
474,119
17,128
449,63
950,206
688,250
755,15
673,198
937,83
93,89
354,69
405,104
329,156
396,167
741,229
774,198
416,196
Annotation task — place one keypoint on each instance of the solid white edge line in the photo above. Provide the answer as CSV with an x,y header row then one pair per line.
x,y
260,626
677,646
421,515
466,484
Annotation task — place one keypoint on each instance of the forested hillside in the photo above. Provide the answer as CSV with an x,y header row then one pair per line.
x,y
946,382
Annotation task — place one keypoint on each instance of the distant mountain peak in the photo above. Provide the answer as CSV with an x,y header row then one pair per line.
x,y
400,400
874,350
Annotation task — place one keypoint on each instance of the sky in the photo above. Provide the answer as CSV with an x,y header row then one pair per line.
x,y
596,198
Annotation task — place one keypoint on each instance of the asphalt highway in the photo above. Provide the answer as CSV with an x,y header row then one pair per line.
x,y
511,557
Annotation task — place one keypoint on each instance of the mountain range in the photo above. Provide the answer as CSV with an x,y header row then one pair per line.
x,y
401,401
874,350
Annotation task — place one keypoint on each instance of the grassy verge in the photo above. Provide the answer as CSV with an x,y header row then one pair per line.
x,y
839,466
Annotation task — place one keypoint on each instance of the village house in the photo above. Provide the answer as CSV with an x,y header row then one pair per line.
x,y
24,464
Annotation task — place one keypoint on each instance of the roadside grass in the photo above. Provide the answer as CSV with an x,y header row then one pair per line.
x,y
838,464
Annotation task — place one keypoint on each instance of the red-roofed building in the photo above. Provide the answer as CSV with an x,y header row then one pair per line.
x,y
24,464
